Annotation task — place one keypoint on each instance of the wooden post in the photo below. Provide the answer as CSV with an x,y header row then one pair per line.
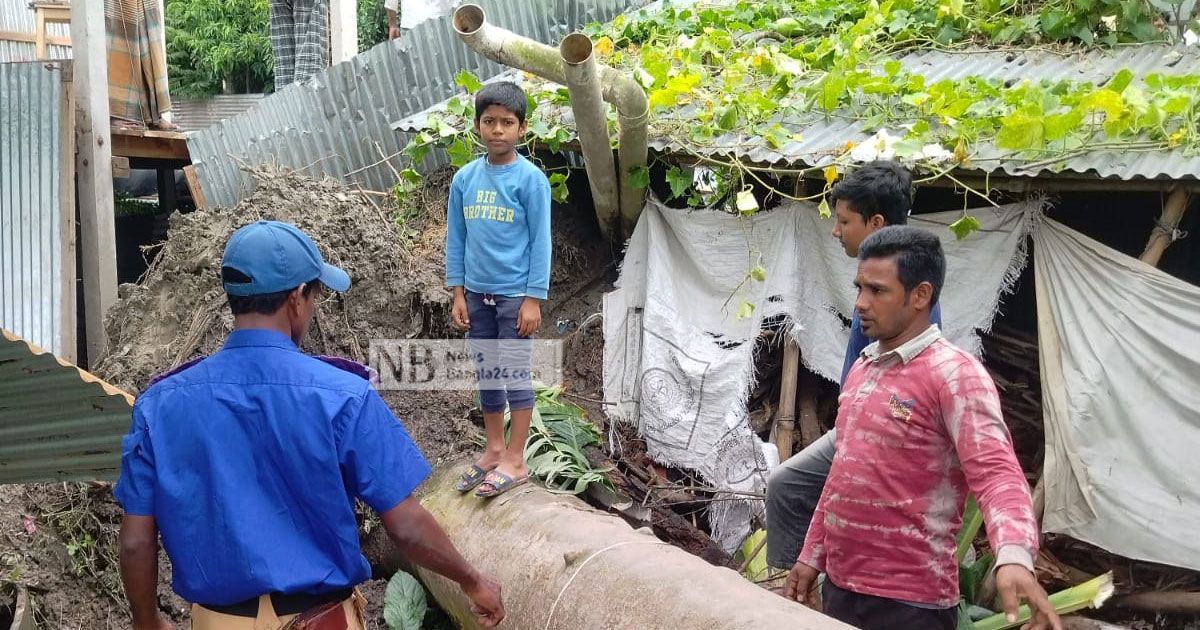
x,y
39,34
343,30
93,166
787,398
66,209
1162,235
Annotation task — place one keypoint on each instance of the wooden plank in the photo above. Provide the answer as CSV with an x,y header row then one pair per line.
x,y
93,165
193,184
160,145
30,38
120,166
66,195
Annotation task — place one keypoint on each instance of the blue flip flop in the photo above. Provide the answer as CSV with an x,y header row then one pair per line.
x,y
499,483
471,478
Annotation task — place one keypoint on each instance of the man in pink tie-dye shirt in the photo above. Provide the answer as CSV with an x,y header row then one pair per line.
x,y
919,426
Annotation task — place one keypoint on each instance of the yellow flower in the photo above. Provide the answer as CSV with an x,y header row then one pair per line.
x,y
831,175
604,46
1176,138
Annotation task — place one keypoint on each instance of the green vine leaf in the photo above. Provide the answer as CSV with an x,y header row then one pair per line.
x,y
1021,130
679,180
823,209
558,187
759,273
745,310
461,151
467,81
639,177
963,227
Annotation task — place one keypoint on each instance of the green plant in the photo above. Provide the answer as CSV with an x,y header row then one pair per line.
x,y
372,24
404,603
558,434
218,47
1090,594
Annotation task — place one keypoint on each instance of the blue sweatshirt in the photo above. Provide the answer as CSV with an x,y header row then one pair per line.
x,y
858,340
498,229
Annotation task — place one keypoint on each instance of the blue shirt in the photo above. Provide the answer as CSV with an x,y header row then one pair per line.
x,y
250,461
498,229
858,340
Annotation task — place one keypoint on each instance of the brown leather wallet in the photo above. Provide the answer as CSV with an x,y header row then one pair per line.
x,y
331,616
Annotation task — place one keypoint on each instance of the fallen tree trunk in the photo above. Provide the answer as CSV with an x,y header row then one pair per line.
x,y
565,565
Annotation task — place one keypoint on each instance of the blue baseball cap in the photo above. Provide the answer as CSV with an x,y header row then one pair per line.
x,y
277,257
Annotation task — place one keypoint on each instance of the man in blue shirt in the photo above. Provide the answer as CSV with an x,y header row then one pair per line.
x,y
875,195
248,463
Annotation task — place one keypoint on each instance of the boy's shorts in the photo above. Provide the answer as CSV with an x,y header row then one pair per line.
x,y
502,357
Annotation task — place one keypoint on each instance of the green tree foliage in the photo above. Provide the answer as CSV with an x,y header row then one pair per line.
x,y
372,24
224,46
218,47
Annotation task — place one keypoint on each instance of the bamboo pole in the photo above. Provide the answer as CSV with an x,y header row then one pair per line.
x,y
591,123
787,399
1163,233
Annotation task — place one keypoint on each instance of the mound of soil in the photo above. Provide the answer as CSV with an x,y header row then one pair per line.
x,y
178,310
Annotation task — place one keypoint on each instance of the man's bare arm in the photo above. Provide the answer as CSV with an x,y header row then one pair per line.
x,y
419,537
139,571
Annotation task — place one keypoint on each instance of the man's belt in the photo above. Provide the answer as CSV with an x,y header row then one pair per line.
x,y
284,604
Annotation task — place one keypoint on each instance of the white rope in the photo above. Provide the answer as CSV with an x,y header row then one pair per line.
x,y
584,564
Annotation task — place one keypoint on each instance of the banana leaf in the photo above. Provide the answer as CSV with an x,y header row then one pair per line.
x,y
1090,594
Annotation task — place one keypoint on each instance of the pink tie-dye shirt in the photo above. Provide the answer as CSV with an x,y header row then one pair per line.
x,y
917,428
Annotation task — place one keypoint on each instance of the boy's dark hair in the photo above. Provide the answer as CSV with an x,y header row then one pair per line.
x,y
881,187
918,254
506,94
264,304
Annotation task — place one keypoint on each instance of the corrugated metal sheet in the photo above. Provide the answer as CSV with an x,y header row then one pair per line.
x,y
57,422
32,256
339,123
821,137
199,114
17,17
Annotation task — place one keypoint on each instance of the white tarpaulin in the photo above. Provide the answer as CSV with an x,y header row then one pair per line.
x,y
679,362
1120,364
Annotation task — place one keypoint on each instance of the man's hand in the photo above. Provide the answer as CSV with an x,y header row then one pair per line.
x,y
801,585
458,312
529,318
486,605
393,32
1014,583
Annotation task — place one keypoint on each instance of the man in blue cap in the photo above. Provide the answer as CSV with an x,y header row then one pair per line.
x,y
248,463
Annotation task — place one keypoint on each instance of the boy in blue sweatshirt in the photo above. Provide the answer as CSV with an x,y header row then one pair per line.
x,y
498,263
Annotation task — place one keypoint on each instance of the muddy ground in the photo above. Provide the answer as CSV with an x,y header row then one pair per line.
x,y
61,538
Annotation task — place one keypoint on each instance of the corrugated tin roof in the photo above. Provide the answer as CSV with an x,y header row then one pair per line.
x,y
57,422
822,137
198,114
338,124
17,17
37,262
